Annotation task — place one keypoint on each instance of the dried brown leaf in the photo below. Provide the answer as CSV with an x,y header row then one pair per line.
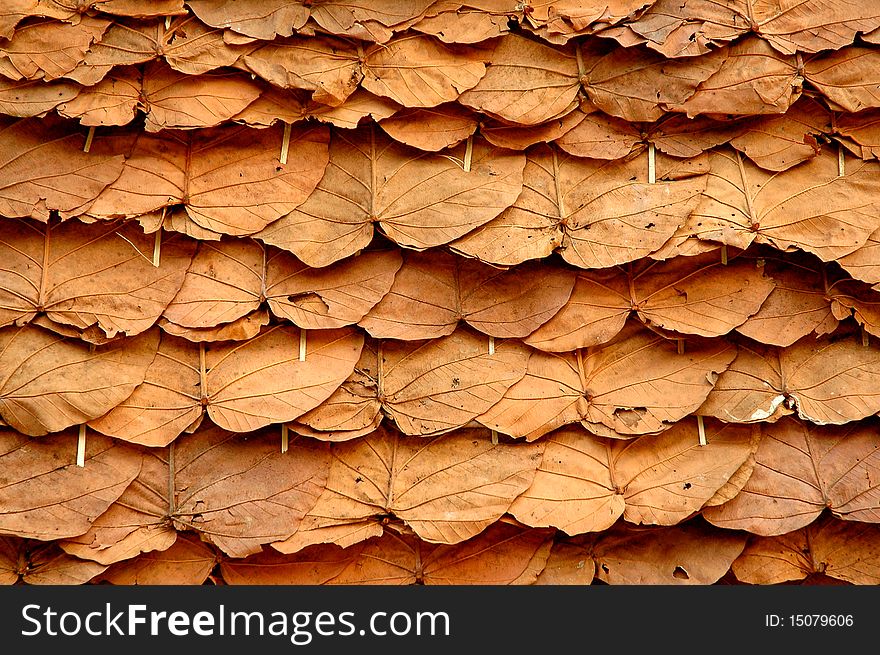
x,y
600,136
136,8
188,561
463,25
238,492
779,142
312,565
637,383
586,483
419,71
680,136
46,496
241,386
233,278
93,335
328,67
809,207
693,295
358,106
88,275
526,83
502,554
862,128
242,329
274,105
568,564
341,536
331,297
685,30
187,45
48,383
438,385
433,291
260,19
112,101
354,409
862,263
624,82
229,178
447,489
675,29
43,168
826,381
802,469
753,79
679,555
839,549
570,17
427,387
846,77
800,304
26,98
41,563
13,12
517,137
431,129
751,389
344,14
599,213
174,100
48,49
420,200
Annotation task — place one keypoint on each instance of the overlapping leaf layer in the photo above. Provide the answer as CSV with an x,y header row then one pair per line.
x,y
436,292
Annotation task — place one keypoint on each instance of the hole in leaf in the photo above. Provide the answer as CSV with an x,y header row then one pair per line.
x,y
630,416
680,574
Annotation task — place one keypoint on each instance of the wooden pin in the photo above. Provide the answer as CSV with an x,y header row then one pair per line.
x,y
701,430
167,22
89,137
841,162
582,70
203,375
468,154
380,377
302,345
724,254
285,438
680,346
866,338
491,345
495,437
81,446
652,164
285,143
157,247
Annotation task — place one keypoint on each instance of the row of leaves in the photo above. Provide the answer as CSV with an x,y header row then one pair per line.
x,y
198,80
483,201
827,552
338,383
774,142
244,492
672,28
99,282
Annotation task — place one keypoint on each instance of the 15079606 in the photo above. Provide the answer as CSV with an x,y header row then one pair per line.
x,y
821,620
